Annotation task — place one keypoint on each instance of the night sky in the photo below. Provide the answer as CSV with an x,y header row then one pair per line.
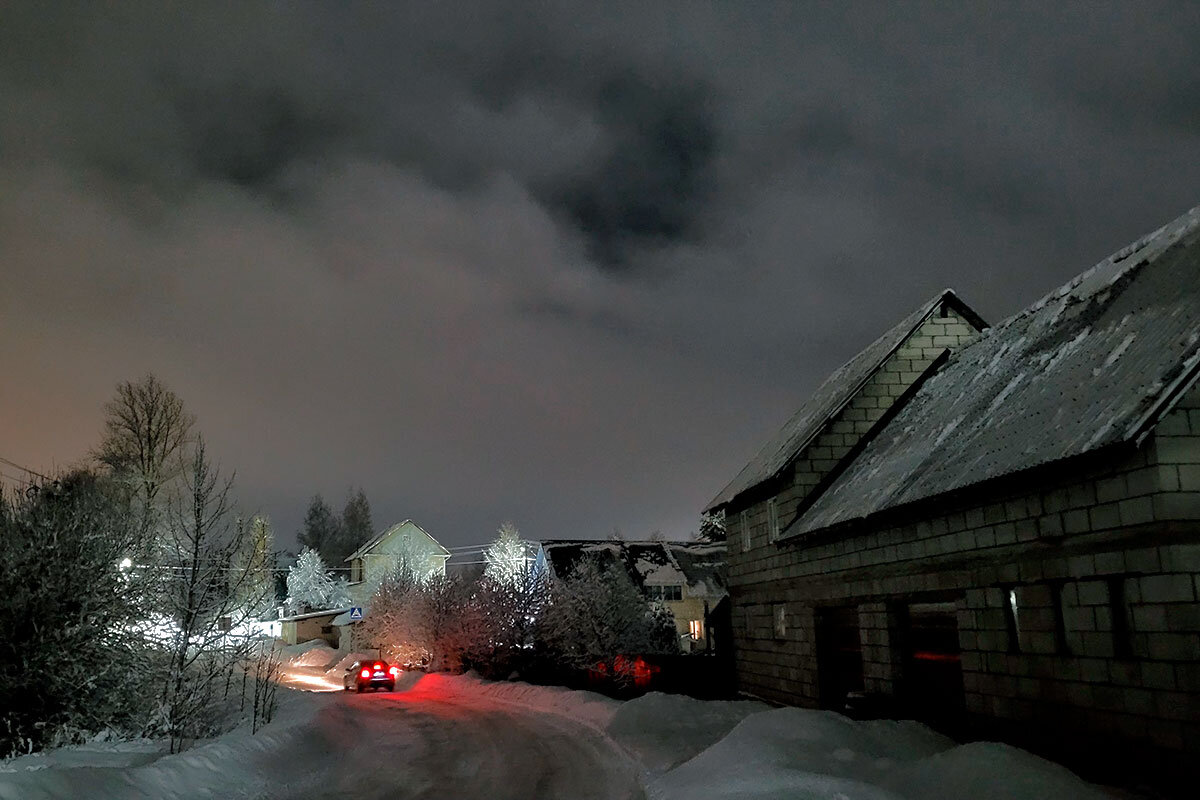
x,y
544,263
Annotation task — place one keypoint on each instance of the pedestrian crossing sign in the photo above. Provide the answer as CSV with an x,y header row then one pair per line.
x,y
356,614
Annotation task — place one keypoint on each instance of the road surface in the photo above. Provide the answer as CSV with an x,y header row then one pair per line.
x,y
422,744
425,742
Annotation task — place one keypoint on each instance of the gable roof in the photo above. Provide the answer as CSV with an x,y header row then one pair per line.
x,y
832,396
1093,364
379,537
700,563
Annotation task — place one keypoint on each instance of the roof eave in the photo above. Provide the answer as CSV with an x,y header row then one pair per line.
x,y
947,296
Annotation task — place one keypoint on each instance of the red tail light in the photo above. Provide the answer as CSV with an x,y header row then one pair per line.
x,y
378,665
366,673
394,670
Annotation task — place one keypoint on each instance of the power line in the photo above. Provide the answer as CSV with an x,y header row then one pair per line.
x,y
24,469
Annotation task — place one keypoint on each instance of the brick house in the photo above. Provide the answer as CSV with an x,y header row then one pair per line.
x,y
997,529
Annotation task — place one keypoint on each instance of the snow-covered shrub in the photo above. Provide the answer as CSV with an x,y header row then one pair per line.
x,y
72,659
438,622
392,625
311,587
596,616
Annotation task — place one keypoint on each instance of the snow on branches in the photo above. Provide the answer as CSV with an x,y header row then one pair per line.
x,y
311,587
506,557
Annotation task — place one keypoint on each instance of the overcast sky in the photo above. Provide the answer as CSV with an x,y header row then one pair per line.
x,y
551,264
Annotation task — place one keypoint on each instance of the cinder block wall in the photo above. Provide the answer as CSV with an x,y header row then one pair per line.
x,y
1122,536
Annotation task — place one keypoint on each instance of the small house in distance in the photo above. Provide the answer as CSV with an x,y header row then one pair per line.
x,y
687,577
1001,527
403,543
313,625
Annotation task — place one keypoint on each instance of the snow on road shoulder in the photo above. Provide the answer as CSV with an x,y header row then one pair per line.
x,y
663,730
315,653
228,766
589,708
799,753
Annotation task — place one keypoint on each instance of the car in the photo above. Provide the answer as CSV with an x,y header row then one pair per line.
x,y
370,674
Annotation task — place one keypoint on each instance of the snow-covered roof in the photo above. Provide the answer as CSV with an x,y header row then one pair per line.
x,y
329,612
1093,364
832,396
379,537
701,565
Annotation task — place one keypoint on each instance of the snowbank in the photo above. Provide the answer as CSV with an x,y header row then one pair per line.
x,y
343,663
472,733
228,766
589,708
664,730
797,753
315,653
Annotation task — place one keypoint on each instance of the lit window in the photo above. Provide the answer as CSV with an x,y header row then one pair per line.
x,y
780,621
696,629
1012,620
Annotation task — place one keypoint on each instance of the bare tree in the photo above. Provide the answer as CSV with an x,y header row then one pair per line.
x,y
205,595
146,432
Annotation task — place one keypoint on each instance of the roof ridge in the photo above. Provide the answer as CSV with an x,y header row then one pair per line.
x,y
761,468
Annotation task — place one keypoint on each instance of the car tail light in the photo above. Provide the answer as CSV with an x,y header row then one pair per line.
x,y
394,670
366,673
378,665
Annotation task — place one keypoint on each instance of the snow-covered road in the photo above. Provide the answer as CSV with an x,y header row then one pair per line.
x,y
442,736
428,741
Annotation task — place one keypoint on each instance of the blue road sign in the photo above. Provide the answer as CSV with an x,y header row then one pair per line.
x,y
356,613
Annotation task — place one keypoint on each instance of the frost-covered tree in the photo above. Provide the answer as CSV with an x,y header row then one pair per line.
x,y
205,595
507,557
712,527
72,661
392,624
596,614
311,587
322,531
438,622
258,561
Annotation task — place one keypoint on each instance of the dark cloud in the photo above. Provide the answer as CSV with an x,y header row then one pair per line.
x,y
558,263
650,188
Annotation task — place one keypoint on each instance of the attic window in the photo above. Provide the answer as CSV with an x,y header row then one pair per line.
x,y
672,593
943,311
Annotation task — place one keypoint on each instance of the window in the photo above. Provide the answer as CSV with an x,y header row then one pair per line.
x,y
744,524
780,615
1012,620
772,520
696,629
1060,622
1122,647
672,593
